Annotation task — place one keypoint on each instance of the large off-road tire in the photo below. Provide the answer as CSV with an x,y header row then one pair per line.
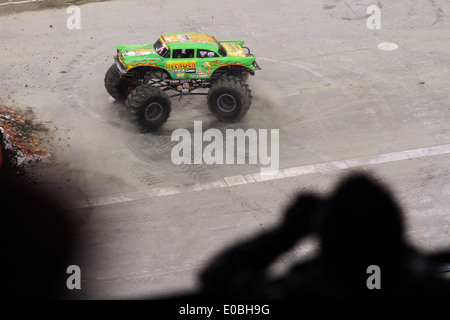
x,y
116,87
229,99
244,76
149,107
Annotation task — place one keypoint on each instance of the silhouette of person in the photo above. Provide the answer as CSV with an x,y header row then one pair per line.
x,y
38,239
359,225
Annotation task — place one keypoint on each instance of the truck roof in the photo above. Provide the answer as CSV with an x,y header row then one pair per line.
x,y
191,39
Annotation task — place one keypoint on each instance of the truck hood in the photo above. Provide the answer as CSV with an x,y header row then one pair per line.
x,y
128,54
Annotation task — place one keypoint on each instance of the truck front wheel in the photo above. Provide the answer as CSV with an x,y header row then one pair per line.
x,y
149,107
115,85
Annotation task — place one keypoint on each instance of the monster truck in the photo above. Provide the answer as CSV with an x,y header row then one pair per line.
x,y
143,75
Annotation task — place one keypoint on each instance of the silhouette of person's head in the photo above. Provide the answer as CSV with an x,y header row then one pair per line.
x,y
362,226
362,220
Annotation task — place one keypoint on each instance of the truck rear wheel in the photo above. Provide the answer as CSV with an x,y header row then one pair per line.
x,y
229,99
149,107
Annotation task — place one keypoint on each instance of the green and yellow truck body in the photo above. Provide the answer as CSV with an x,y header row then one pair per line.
x,y
187,56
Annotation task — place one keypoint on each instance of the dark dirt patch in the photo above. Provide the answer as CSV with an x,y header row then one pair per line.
x,y
20,141
41,5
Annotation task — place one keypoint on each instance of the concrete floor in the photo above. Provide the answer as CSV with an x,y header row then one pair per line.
x,y
339,102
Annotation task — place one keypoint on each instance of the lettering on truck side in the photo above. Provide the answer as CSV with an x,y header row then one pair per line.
x,y
180,64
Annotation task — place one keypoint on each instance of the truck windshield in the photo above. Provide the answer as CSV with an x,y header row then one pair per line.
x,y
161,48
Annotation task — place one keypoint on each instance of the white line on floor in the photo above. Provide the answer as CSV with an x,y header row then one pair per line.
x,y
260,177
